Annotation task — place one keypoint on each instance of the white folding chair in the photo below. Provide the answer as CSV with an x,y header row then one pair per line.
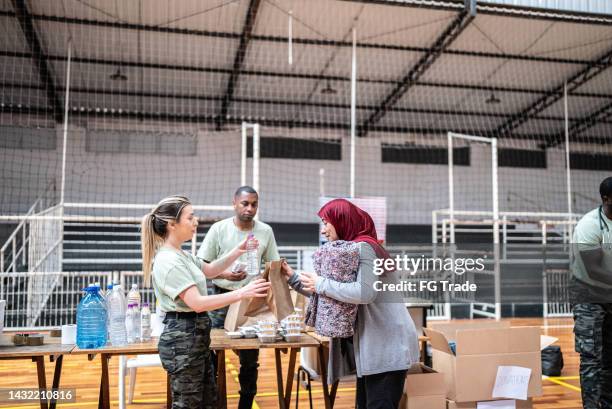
x,y
128,366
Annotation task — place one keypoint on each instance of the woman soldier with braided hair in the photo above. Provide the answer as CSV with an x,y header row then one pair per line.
x,y
179,281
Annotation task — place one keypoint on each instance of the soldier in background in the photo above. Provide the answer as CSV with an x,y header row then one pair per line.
x,y
222,237
591,293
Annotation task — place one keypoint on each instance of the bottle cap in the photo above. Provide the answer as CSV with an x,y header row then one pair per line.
x,y
145,304
134,286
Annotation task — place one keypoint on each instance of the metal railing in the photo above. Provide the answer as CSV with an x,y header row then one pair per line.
x,y
17,244
16,248
540,228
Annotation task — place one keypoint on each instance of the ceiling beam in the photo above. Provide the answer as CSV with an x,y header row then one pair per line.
x,y
77,111
303,41
444,40
245,38
599,116
555,94
38,56
261,101
503,10
271,74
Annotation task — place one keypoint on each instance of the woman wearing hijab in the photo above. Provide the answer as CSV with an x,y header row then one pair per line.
x,y
385,342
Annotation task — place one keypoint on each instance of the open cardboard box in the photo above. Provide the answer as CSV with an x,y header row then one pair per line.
x,y
424,389
481,347
520,404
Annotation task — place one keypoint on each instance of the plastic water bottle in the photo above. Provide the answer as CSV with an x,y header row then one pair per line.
x,y
91,320
132,323
251,254
145,322
109,289
99,288
134,296
116,316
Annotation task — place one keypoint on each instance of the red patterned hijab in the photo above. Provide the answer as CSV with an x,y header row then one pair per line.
x,y
352,224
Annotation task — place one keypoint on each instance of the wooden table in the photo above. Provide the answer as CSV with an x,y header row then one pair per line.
x,y
329,395
219,342
141,348
51,348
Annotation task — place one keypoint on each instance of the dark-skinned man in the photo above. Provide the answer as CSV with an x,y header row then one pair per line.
x,y
591,296
222,237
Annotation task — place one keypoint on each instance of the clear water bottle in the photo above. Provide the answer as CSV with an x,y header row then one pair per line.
x,y
134,295
109,289
132,323
145,322
116,316
91,320
251,255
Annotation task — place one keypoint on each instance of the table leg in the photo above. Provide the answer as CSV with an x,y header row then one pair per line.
x,y
290,370
332,394
168,392
104,398
42,379
221,385
279,379
328,397
56,378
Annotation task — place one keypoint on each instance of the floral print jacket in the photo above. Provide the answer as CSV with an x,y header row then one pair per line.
x,y
337,260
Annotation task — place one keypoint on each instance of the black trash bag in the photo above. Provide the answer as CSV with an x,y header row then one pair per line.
x,y
552,361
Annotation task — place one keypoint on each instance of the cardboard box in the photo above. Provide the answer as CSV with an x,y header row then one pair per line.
x,y
520,404
424,389
481,347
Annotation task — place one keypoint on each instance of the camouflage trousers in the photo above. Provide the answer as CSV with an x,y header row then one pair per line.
x,y
184,350
593,341
249,365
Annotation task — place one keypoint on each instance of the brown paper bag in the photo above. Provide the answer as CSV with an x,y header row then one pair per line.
x,y
278,299
236,315
281,305
256,304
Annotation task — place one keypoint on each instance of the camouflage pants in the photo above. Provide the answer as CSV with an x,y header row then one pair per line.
x,y
184,349
249,365
593,339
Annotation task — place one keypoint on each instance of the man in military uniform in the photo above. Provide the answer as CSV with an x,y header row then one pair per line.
x,y
222,237
591,293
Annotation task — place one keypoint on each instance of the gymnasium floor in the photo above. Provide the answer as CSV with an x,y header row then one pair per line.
x,y
559,393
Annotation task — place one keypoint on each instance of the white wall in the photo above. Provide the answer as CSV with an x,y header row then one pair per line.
x,y
289,188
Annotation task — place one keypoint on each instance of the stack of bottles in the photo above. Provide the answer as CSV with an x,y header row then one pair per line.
x,y
110,317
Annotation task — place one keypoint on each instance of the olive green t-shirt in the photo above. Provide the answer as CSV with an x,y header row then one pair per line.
x,y
224,236
173,272
591,234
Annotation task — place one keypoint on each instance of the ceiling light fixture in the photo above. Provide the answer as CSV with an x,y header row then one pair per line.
x,y
493,100
118,75
328,90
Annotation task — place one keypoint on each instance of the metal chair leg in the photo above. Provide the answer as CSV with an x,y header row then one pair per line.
x,y
309,389
300,371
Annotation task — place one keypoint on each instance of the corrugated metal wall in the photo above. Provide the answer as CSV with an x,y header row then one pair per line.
x,y
585,6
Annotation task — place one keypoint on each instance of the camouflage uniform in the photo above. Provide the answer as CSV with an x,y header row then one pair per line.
x,y
248,358
593,341
184,349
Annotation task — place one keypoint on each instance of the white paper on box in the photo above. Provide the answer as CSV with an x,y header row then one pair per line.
x,y
547,340
497,404
512,382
